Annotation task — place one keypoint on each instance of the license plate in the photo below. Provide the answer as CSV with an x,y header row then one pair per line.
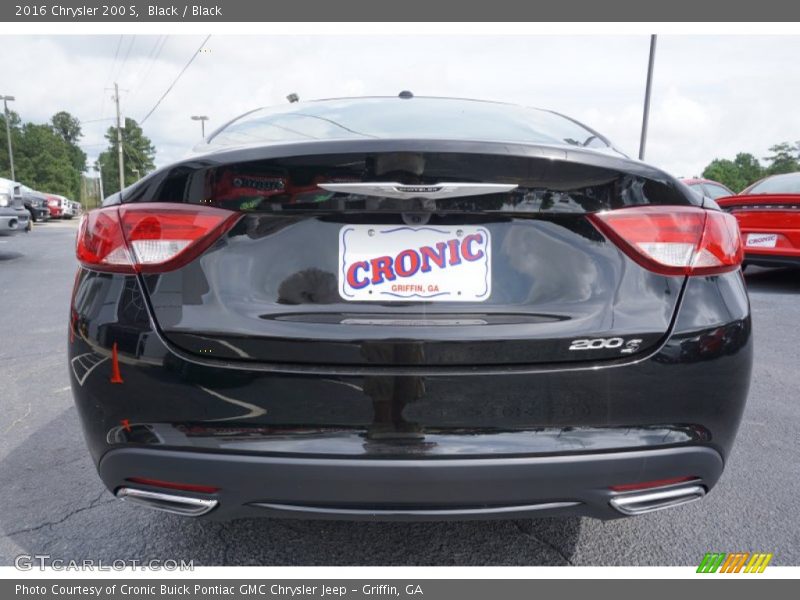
x,y
428,263
761,240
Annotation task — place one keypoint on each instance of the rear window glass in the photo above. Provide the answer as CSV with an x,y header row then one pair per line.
x,y
397,118
717,191
779,184
297,184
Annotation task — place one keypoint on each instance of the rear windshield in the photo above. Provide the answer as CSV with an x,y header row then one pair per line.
x,y
778,184
396,118
297,184
717,191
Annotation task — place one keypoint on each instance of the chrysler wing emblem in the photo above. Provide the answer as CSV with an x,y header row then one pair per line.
x,y
432,191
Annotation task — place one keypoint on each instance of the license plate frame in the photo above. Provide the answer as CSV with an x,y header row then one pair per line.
x,y
761,240
425,263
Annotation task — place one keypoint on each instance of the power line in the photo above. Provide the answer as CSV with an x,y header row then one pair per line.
x,y
128,154
110,73
96,120
158,47
116,55
138,160
164,95
145,62
125,60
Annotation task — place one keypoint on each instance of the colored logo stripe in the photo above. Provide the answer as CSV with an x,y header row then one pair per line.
x,y
758,563
711,562
734,562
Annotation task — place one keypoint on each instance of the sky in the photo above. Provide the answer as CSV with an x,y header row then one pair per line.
x,y
713,96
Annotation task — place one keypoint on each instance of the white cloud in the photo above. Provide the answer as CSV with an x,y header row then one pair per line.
x,y
712,96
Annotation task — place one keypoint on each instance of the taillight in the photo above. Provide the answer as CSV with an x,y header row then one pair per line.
x,y
675,240
149,237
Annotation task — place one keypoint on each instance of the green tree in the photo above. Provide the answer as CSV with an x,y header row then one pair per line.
x,y
138,154
67,126
726,172
738,173
46,156
69,129
43,161
783,159
750,169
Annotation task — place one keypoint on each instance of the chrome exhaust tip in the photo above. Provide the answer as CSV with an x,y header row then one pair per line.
x,y
171,503
639,503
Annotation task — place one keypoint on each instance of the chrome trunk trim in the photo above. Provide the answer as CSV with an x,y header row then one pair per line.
x,y
413,512
432,191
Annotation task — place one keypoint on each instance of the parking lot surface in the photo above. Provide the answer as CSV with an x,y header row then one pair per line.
x,y
52,502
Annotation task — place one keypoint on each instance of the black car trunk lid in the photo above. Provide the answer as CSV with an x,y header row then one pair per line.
x,y
547,288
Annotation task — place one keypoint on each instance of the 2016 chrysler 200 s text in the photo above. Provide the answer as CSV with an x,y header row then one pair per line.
x,y
409,308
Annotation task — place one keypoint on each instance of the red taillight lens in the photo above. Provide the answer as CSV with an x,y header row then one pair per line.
x,y
675,240
100,243
171,485
150,237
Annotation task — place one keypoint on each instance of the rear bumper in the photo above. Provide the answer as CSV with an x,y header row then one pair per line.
x,y
785,226
772,260
409,489
41,214
408,443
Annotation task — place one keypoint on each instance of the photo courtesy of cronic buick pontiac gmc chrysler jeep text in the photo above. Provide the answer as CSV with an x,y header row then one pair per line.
x,y
409,308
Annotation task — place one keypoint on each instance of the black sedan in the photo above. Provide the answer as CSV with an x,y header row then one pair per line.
x,y
409,308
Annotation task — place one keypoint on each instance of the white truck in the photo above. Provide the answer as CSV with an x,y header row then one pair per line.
x,y
13,215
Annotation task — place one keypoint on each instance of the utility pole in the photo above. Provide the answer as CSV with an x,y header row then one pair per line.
x,y
99,168
648,86
6,100
119,140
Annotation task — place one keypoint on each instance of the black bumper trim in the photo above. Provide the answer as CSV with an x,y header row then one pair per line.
x,y
410,489
772,261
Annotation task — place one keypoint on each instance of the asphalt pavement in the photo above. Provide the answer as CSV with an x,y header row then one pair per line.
x,y
52,502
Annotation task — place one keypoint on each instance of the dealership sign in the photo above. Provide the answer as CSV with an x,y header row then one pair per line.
x,y
425,263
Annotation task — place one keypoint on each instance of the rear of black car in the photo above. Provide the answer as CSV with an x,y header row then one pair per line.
x,y
408,327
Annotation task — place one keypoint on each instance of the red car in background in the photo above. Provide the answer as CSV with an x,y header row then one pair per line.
x,y
708,188
54,206
768,213
61,207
